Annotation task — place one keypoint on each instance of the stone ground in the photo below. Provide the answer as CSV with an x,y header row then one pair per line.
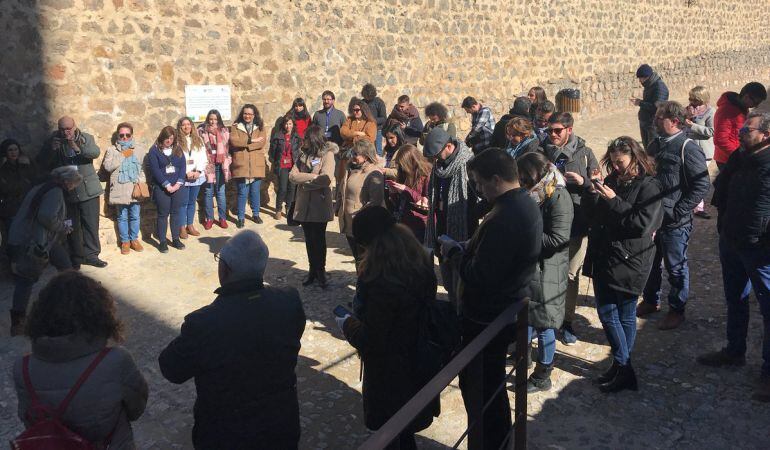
x,y
679,405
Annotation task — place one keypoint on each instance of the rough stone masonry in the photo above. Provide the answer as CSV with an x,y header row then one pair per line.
x,y
106,61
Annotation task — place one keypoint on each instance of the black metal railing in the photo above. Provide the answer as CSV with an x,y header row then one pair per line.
x,y
470,357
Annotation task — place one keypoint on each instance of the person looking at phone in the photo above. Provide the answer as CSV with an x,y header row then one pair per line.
x,y
408,193
497,267
655,90
242,350
576,162
681,168
395,282
625,210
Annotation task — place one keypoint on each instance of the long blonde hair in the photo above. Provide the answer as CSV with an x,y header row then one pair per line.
x,y
197,142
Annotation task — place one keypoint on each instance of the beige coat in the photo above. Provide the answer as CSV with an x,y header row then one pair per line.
x,y
313,177
248,159
120,193
361,187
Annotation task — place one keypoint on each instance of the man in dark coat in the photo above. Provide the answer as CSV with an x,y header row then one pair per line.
x,y
497,267
742,197
242,352
577,162
681,170
379,112
69,146
655,90
406,116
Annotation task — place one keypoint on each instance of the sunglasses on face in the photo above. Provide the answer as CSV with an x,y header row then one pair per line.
x,y
124,135
555,130
745,130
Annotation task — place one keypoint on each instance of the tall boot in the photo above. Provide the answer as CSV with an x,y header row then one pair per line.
x,y
540,380
625,378
321,274
18,319
311,276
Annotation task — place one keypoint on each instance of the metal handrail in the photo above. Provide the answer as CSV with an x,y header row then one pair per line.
x,y
516,312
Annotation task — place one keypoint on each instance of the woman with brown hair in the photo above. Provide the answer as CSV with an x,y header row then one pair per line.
x,y
395,284
521,137
537,96
408,194
216,138
167,167
362,185
70,325
248,141
360,126
125,162
625,211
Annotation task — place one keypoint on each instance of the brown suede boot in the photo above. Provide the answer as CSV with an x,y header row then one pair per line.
x,y
136,246
183,233
125,248
192,231
17,323
644,308
672,320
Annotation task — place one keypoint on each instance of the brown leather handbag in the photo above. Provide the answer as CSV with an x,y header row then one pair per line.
x,y
141,191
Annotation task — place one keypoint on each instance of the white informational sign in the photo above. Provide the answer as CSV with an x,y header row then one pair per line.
x,y
200,99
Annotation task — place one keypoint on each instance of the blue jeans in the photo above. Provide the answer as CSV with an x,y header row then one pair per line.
x,y
168,205
546,344
128,222
671,249
742,270
248,191
218,188
378,142
187,211
617,312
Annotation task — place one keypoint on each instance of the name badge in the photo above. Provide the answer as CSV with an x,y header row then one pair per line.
x,y
314,162
328,134
213,151
190,162
170,169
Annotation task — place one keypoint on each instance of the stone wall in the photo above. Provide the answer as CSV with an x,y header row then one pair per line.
x,y
105,61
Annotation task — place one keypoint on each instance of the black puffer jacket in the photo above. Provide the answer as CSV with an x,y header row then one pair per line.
x,y
742,196
385,333
277,143
655,90
620,246
684,181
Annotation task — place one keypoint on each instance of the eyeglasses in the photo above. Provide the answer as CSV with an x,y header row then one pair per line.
x,y
556,130
745,130
248,114
356,109
124,135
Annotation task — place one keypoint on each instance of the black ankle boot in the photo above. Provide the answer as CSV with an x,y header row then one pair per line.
x,y
540,380
322,279
625,378
607,376
310,279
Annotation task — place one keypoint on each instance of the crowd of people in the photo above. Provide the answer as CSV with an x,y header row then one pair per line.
x,y
517,209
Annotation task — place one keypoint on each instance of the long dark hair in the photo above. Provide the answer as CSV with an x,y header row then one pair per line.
x,y
220,122
400,138
294,115
540,96
397,254
72,303
366,112
640,161
411,166
257,117
314,141
532,166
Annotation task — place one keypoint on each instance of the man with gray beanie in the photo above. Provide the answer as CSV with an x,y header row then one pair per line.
x,y
453,205
242,352
655,90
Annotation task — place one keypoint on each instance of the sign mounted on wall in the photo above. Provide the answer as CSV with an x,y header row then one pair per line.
x,y
200,99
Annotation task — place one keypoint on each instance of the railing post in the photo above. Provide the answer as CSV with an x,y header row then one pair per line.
x,y
520,405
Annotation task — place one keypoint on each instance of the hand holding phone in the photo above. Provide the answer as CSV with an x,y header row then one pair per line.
x,y
341,311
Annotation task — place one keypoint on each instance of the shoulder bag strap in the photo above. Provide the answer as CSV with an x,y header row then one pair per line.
x,y
87,373
34,400
684,156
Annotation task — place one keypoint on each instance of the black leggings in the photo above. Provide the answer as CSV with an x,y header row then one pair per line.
x,y
315,243
284,190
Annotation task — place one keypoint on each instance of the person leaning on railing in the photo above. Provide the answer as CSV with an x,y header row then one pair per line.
x,y
497,267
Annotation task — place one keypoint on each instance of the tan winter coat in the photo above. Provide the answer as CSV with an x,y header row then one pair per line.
x,y
120,193
313,177
248,159
361,187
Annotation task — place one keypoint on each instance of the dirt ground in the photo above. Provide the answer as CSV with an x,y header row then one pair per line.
x,y
679,405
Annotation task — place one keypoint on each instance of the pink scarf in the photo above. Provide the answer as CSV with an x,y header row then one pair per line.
x,y
216,139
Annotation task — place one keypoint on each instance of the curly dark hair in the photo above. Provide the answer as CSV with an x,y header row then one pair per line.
x,y
72,303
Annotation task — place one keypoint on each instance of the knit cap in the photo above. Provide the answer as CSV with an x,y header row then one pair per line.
x,y
644,71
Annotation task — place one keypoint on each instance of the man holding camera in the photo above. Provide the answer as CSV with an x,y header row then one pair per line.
x,y
68,146
577,162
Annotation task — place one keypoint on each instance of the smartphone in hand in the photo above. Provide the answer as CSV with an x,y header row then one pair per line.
x,y
341,311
